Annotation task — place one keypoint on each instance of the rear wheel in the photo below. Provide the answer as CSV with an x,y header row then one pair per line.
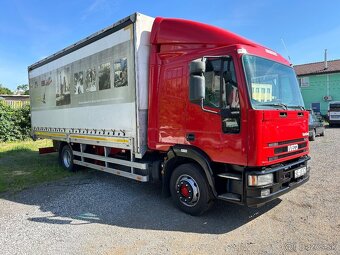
x,y
190,190
66,158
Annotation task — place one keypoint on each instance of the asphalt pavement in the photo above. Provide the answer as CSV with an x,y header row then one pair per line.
x,y
98,213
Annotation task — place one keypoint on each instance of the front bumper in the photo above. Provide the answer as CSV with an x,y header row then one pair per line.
x,y
337,121
284,181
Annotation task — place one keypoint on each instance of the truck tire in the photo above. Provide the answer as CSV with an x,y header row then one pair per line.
x,y
312,137
190,190
66,158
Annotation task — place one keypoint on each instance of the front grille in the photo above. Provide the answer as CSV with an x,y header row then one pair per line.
x,y
288,148
291,141
286,155
286,142
285,148
291,154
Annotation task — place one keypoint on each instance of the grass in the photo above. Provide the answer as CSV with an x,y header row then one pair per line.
x,y
22,166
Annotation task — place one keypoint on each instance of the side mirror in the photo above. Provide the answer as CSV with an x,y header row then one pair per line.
x,y
197,67
197,83
197,80
197,88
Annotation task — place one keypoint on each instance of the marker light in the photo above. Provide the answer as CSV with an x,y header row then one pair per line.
x,y
242,51
271,52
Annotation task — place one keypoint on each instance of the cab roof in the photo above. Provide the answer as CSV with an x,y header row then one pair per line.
x,y
180,31
172,30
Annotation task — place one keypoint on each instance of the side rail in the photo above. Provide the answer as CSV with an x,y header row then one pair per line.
x,y
112,139
104,159
143,175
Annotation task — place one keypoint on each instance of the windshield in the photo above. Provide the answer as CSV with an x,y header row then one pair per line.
x,y
271,85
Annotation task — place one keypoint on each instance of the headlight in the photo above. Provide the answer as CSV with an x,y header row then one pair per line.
x,y
260,180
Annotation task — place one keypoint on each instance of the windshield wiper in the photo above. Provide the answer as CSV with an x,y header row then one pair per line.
x,y
297,106
284,106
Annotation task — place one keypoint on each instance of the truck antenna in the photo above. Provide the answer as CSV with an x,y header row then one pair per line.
x,y
284,45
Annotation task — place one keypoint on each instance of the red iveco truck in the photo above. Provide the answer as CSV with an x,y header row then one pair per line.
x,y
210,114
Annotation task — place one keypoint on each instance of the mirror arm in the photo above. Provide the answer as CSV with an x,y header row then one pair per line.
x,y
206,110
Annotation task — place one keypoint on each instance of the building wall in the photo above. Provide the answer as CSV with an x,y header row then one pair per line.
x,y
318,87
15,101
262,92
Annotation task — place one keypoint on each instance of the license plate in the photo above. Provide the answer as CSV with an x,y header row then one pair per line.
x,y
300,172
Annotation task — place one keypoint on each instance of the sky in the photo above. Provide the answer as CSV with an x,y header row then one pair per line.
x,y
32,30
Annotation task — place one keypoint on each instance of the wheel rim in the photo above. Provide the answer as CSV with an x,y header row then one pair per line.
x,y
67,158
187,190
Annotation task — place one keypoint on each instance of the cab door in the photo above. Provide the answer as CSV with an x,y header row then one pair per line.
x,y
203,127
214,124
233,145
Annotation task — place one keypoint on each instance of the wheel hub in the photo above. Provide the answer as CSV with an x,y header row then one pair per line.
x,y
67,158
187,190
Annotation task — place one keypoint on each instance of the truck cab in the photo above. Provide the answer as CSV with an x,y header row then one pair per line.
x,y
220,99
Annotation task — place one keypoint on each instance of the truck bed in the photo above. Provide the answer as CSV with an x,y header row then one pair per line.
x,y
96,90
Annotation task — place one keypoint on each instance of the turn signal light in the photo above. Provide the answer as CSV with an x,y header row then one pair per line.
x,y
260,180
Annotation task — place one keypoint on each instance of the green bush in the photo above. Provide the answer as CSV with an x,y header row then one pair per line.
x,y
14,123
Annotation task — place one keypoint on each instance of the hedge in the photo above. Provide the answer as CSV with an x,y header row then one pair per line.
x,y
15,124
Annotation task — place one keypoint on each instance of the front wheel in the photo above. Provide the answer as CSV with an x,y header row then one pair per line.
x,y
66,158
190,190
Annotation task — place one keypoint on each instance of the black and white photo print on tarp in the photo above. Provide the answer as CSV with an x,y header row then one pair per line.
x,y
78,83
121,73
90,80
63,87
104,76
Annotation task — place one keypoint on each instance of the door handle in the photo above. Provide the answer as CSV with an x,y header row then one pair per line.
x,y
190,137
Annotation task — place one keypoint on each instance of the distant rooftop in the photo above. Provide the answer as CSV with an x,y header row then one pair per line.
x,y
15,96
318,68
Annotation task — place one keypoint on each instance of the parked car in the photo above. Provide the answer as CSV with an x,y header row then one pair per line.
x,y
316,126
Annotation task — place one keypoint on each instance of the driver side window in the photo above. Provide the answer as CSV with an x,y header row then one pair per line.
x,y
213,83
231,123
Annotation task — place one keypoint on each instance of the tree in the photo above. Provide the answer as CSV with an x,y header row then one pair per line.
x,y
5,91
15,123
23,89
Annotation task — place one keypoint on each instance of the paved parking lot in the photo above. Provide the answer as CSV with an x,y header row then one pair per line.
x,y
96,213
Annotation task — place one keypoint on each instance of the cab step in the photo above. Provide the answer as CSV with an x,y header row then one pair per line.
x,y
230,197
231,176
